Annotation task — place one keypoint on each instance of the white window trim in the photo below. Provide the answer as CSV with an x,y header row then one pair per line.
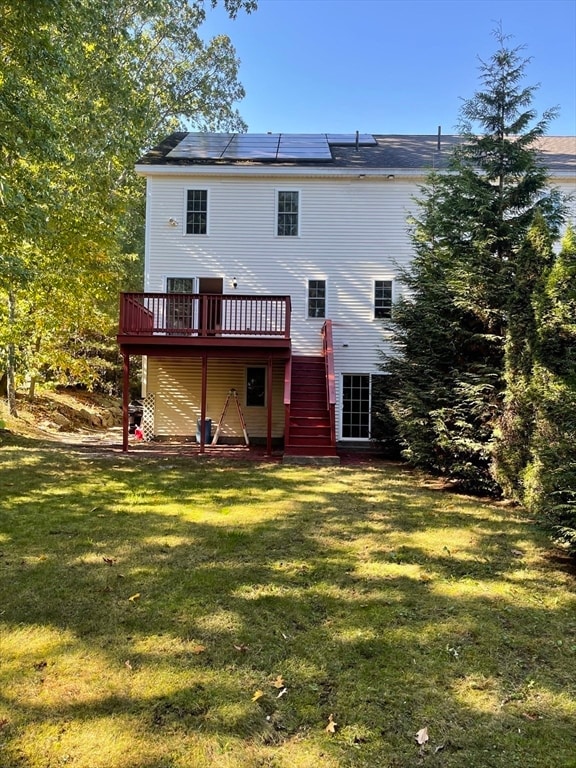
x,y
277,190
190,188
341,405
308,317
389,279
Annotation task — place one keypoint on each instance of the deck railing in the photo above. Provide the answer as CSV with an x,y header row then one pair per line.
x,y
187,314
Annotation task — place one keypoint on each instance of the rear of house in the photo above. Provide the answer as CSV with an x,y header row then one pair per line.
x,y
270,273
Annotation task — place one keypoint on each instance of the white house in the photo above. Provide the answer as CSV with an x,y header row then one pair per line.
x,y
270,272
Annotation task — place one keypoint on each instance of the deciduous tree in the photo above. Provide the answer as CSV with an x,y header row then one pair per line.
x,y
84,88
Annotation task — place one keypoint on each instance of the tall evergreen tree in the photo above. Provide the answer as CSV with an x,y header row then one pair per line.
x,y
468,235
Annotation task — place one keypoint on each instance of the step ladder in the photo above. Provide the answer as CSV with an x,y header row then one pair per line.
x,y
232,395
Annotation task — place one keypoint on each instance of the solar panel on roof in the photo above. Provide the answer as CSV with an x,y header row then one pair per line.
x,y
252,146
262,146
295,146
349,139
202,146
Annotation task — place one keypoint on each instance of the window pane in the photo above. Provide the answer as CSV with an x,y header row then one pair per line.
x,y
316,298
197,212
179,285
288,214
179,308
383,298
256,386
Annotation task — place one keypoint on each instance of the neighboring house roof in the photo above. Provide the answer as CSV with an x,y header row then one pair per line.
x,y
346,152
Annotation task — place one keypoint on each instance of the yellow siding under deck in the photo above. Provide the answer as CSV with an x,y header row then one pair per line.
x,y
177,384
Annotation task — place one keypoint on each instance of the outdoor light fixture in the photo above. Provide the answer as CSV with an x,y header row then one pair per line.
x,y
390,176
234,283
172,222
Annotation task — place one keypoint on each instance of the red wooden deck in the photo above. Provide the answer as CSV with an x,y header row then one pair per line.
x,y
203,320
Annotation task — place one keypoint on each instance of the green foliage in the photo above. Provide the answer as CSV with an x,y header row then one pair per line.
x,y
471,273
550,474
84,87
514,431
383,423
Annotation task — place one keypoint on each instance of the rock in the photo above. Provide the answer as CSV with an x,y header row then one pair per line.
x,y
60,420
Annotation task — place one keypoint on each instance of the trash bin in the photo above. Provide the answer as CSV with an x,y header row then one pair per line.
x,y
207,430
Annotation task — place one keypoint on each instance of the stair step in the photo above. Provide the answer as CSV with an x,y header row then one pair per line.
x,y
309,430
310,441
309,390
308,422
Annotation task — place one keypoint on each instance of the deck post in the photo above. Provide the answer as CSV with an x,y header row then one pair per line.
x,y
125,398
203,401
269,400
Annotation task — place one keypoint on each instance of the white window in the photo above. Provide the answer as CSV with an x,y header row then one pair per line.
x,y
197,212
383,298
288,213
316,298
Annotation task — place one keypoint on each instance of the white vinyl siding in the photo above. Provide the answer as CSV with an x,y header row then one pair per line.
x,y
352,233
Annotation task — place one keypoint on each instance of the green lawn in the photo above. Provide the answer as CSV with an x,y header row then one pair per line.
x,y
186,613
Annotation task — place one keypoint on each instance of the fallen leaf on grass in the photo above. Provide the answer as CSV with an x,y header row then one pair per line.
x,y
257,695
282,692
279,682
331,727
196,649
127,664
241,648
134,597
422,736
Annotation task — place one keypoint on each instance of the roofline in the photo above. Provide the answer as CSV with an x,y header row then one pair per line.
x,y
276,170
388,174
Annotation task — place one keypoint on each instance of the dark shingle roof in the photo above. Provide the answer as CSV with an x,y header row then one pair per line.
x,y
398,152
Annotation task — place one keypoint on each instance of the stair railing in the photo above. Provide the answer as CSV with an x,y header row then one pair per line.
x,y
287,400
328,352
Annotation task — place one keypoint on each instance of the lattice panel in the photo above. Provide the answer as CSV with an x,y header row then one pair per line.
x,y
148,417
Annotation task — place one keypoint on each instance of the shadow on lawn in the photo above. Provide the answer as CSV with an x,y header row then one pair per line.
x,y
356,626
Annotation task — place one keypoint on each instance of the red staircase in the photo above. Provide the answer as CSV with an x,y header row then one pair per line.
x,y
309,430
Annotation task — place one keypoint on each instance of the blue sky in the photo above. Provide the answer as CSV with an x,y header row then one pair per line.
x,y
391,66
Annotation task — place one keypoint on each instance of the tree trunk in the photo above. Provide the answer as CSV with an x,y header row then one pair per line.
x,y
11,368
34,378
